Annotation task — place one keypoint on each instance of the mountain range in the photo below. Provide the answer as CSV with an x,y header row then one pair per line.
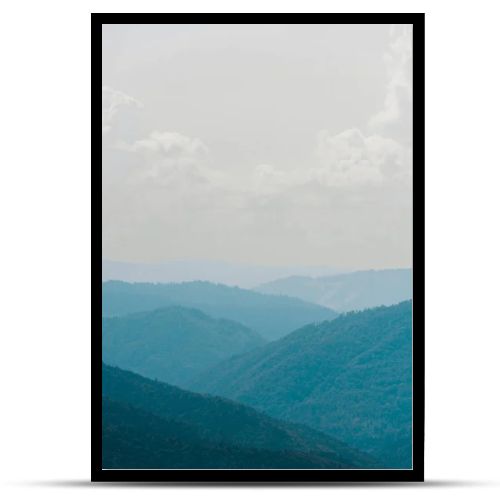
x,y
226,273
346,292
173,344
350,377
268,315
149,424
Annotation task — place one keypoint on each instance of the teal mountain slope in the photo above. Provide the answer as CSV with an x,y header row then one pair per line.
x,y
133,439
173,344
350,377
151,424
270,316
347,292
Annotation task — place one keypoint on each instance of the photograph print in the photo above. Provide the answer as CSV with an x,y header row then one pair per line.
x,y
258,281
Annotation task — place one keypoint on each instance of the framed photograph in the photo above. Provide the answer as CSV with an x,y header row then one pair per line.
x,y
258,247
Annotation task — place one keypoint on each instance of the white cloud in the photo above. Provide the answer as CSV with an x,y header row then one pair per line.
x,y
384,155
351,158
163,157
166,156
345,160
113,102
398,62
166,196
171,145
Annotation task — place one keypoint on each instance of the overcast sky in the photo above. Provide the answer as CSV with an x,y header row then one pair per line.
x,y
258,144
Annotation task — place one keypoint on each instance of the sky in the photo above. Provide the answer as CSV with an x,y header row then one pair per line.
x,y
268,145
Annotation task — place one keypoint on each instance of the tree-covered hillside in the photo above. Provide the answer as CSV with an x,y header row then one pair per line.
x,y
148,424
133,439
173,344
350,377
270,316
347,292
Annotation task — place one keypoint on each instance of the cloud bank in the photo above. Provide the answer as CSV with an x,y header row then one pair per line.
x,y
166,195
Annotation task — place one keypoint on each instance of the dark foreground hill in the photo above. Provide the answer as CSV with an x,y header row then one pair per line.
x,y
173,344
350,377
133,439
347,292
270,316
148,424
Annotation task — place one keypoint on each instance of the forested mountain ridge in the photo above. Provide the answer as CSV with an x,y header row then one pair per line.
x,y
347,292
139,412
134,439
173,344
350,377
270,316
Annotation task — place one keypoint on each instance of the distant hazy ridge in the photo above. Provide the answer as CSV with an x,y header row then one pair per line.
x,y
347,292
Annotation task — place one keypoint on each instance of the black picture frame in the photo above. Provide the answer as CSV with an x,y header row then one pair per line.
x,y
253,477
